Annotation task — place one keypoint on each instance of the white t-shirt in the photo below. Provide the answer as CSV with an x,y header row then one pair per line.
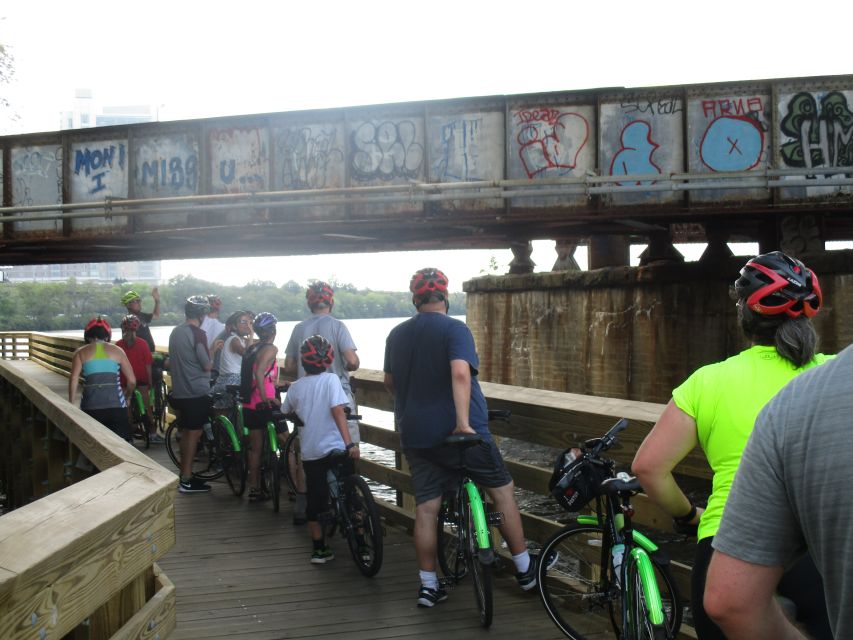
x,y
212,327
312,398
230,362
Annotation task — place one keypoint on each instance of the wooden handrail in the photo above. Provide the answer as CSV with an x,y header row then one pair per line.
x,y
81,550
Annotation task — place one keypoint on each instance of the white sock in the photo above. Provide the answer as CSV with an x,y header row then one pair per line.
x,y
522,561
429,579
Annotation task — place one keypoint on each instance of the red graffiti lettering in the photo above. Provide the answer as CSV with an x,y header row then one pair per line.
x,y
549,116
713,109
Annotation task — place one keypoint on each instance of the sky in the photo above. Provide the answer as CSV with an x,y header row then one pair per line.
x,y
197,59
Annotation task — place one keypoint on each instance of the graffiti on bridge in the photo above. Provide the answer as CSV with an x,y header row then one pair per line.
x,y
550,140
174,174
239,159
732,143
309,159
37,175
459,150
821,135
635,153
651,107
386,150
96,164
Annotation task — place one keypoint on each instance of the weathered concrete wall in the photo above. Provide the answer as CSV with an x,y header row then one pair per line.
x,y
632,332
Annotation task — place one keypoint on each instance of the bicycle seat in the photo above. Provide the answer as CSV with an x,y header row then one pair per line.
x,y
620,484
463,440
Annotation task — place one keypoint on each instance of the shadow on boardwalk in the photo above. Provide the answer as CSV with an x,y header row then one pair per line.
x,y
242,570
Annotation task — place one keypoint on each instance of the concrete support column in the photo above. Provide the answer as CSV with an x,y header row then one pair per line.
x,y
609,251
660,249
718,249
521,261
565,249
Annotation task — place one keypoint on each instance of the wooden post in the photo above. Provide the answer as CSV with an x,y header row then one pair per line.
x,y
110,616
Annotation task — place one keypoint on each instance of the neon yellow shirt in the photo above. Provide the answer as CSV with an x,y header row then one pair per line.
x,y
724,399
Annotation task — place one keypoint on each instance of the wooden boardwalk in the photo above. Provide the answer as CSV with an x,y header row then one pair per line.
x,y
241,570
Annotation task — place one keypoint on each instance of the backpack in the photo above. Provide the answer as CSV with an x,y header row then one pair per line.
x,y
247,369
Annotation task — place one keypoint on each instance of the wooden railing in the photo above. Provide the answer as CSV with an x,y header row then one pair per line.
x,y
90,515
541,417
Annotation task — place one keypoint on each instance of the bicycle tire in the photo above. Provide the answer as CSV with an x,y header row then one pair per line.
x,y
641,626
360,512
233,461
450,538
140,430
289,457
160,407
274,471
207,463
578,590
480,570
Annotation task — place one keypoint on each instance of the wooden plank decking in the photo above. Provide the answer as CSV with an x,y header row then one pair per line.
x,y
240,570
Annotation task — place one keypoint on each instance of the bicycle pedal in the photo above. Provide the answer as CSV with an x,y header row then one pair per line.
x,y
495,518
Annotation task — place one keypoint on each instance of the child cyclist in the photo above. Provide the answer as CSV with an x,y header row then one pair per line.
x,y
139,354
319,400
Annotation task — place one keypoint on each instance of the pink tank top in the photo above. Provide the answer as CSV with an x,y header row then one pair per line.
x,y
270,378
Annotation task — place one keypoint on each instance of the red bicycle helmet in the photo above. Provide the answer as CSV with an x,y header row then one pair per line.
x,y
129,323
319,293
99,322
428,281
774,283
316,351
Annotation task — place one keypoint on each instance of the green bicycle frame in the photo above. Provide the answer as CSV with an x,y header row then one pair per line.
x,y
478,514
140,404
639,538
232,433
273,436
646,571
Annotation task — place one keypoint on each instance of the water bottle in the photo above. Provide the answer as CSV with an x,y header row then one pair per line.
x,y
208,430
333,483
618,552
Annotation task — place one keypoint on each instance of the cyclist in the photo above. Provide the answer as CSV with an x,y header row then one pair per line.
x,y
318,399
320,298
716,407
139,354
212,325
258,408
133,303
99,363
190,371
431,370
229,355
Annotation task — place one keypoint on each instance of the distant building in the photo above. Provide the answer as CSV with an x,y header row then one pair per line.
x,y
84,113
89,272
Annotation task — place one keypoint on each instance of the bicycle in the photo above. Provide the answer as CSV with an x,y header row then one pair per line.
x,y
354,514
463,535
602,563
137,418
158,392
219,452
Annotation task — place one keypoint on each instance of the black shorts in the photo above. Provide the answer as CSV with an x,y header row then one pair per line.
x,y
193,413
436,470
257,419
317,499
115,419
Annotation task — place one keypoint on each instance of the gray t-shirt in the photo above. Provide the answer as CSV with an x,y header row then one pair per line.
x,y
189,362
332,330
791,491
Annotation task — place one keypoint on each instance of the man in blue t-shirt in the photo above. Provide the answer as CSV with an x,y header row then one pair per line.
x,y
431,370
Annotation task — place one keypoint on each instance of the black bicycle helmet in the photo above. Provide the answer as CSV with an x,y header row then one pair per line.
x,y
316,351
774,283
196,307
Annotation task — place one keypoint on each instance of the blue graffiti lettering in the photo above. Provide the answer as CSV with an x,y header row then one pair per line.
x,y
227,176
99,182
173,173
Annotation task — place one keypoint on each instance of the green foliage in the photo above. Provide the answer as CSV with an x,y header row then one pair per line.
x,y
34,306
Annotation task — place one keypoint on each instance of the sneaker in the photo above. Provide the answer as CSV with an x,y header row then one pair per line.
x,y
527,580
193,486
430,597
256,495
156,438
322,556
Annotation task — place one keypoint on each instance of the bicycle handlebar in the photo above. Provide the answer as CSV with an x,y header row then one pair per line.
x,y
610,437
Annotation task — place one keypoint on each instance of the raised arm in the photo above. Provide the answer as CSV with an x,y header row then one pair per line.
x,y
155,293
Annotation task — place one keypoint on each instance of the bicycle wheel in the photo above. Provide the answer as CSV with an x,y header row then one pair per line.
x,y
208,458
159,417
232,460
270,471
640,623
289,457
139,428
479,568
364,529
579,592
450,537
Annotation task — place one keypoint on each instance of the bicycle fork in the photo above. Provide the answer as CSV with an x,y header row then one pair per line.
x,y
481,522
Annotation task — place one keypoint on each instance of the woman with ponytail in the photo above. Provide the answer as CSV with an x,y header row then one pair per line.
x,y
716,407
